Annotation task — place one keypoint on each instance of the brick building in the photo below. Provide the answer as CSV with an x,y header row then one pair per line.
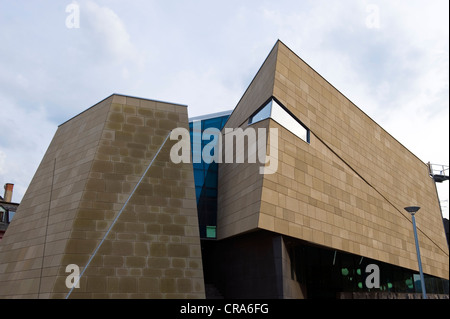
x,y
7,208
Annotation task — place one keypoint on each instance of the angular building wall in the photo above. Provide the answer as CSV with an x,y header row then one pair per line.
x,y
70,213
240,184
346,189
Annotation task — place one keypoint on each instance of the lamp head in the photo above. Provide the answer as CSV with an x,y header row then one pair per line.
x,y
412,209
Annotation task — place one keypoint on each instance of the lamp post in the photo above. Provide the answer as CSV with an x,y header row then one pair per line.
x,y
413,210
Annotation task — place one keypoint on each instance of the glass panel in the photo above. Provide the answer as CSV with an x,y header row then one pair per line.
x,y
10,216
213,167
198,166
224,120
263,114
199,177
417,283
212,123
211,180
273,110
211,193
285,119
211,231
205,174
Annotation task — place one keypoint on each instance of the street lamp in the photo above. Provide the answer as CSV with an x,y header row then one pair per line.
x,y
413,210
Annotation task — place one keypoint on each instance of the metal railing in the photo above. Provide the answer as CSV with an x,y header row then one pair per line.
x,y
439,172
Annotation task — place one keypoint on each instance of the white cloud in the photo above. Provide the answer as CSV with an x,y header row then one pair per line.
x,y
211,94
107,33
2,163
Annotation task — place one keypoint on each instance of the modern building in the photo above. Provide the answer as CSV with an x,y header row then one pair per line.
x,y
7,208
107,211
446,230
319,214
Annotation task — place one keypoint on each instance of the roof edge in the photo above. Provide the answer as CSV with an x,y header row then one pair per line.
x,y
290,50
123,95
274,47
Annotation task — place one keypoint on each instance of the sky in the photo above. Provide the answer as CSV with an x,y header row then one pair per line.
x,y
59,57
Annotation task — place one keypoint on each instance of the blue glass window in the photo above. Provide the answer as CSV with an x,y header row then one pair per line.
x,y
206,174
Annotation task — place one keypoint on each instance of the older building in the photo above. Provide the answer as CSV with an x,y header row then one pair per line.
x,y
7,208
314,210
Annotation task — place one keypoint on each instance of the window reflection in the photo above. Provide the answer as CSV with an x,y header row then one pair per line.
x,y
262,114
205,173
278,113
328,273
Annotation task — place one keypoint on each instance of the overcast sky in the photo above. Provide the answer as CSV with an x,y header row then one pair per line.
x,y
57,58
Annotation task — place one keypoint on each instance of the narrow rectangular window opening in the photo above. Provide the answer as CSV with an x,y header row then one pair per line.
x,y
276,111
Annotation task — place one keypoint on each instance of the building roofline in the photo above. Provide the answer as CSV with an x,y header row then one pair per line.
x,y
2,203
209,116
255,76
279,41
124,95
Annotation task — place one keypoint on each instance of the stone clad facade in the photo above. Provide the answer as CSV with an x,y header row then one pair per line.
x,y
90,169
346,189
307,228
